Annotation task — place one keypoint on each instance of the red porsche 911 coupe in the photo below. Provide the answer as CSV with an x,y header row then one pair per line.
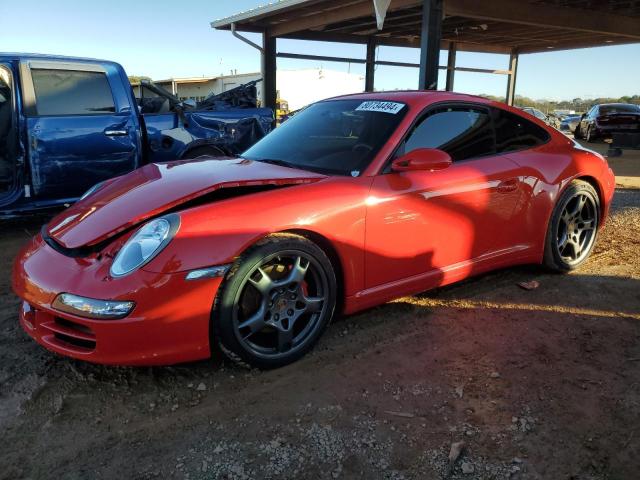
x,y
352,202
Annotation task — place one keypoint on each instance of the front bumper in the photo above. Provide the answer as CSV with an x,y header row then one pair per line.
x,y
169,324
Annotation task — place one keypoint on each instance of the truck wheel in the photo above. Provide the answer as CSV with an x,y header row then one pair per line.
x,y
204,151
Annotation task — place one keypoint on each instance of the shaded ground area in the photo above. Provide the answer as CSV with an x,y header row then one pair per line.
x,y
538,384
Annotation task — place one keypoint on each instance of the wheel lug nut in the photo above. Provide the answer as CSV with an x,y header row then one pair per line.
x,y
292,296
276,317
290,312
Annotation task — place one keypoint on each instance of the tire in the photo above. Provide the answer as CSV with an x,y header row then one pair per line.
x,y
573,227
589,136
204,151
275,302
577,133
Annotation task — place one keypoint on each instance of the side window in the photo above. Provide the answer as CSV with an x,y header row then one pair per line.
x,y
516,133
462,132
71,92
151,102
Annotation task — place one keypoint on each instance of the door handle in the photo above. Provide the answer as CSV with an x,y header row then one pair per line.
x,y
116,133
507,186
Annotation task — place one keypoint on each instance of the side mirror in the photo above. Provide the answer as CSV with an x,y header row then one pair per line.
x,y
429,159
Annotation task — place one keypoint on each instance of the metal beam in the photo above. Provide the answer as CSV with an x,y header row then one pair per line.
x,y
511,81
451,65
269,93
320,58
523,13
382,40
442,67
430,38
370,69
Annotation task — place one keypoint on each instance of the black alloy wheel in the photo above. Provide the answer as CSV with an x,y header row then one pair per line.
x,y
276,301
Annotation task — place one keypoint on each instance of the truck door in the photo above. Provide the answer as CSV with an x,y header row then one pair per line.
x,y
8,135
81,125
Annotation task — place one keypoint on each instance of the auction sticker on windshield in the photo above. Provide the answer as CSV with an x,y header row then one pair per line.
x,y
378,106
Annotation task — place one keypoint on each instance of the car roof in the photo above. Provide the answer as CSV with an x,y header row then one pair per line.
x,y
418,98
618,104
45,56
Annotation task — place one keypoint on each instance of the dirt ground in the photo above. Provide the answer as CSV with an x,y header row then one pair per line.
x,y
540,384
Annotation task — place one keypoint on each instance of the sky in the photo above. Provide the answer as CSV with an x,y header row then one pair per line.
x,y
164,39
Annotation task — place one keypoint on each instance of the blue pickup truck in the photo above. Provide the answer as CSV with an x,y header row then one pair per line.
x,y
69,123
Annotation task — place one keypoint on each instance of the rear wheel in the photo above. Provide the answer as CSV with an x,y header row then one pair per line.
x,y
573,227
275,302
589,135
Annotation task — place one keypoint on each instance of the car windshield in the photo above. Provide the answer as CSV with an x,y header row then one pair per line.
x,y
338,137
608,109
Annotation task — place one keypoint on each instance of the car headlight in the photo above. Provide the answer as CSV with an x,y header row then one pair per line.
x,y
91,190
91,307
145,244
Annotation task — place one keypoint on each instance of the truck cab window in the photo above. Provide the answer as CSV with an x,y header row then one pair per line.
x,y
71,92
151,102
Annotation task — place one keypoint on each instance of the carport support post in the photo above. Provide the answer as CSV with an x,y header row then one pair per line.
x,y
430,37
370,67
513,73
451,66
269,94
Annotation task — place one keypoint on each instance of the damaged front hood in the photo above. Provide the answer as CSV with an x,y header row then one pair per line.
x,y
156,188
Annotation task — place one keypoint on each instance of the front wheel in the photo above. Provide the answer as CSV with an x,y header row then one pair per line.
x,y
573,227
577,133
275,302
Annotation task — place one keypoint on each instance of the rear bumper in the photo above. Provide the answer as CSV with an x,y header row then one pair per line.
x,y
169,324
606,130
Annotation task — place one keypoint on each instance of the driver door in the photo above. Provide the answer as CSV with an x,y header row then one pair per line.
x,y
80,125
425,227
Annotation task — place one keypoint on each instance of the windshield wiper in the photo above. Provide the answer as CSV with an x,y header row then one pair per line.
x,y
275,161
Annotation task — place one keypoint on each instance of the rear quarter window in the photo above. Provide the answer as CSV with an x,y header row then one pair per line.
x,y
71,92
516,133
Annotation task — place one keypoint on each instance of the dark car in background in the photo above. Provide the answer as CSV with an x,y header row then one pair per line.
x,y
607,119
67,124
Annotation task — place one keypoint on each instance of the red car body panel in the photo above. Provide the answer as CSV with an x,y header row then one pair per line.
x,y
124,203
158,331
388,235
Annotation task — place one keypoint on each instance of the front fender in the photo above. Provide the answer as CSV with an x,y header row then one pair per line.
x,y
217,233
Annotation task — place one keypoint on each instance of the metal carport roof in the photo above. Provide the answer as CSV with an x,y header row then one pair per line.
x,y
496,26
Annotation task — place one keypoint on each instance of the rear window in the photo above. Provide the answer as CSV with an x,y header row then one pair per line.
x,y
516,133
71,92
608,109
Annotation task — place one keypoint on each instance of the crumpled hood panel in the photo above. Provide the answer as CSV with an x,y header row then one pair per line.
x,y
155,188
